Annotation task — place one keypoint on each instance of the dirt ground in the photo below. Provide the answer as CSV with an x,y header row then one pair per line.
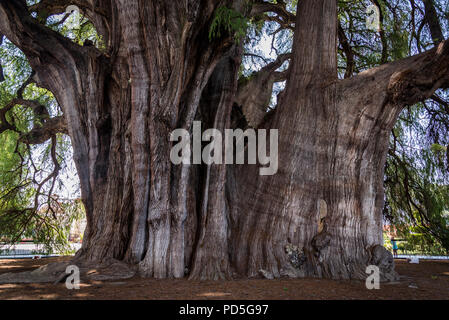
x,y
428,280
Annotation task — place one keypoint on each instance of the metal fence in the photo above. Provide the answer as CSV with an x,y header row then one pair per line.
x,y
15,253
28,250
422,257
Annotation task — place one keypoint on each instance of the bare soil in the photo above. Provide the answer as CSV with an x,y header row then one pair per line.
x,y
428,280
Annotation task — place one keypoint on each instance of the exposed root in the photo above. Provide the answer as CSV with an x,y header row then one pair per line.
x,y
108,270
267,275
383,258
45,274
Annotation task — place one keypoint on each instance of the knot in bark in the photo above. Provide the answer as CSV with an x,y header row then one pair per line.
x,y
295,255
383,258
321,242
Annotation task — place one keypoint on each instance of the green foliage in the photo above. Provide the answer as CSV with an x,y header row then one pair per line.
x,y
45,217
412,241
417,186
418,242
229,21
416,176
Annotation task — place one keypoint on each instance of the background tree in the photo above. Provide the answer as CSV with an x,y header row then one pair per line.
x,y
31,202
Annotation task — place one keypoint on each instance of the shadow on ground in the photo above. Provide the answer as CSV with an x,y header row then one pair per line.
x,y
428,280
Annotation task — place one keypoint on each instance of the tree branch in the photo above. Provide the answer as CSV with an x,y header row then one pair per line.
x,y
46,8
45,49
347,49
421,77
41,134
398,84
383,37
2,77
283,17
254,95
432,20
99,12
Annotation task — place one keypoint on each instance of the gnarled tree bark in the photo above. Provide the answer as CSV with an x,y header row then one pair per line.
x,y
320,216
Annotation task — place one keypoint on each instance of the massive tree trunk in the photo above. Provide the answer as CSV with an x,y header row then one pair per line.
x,y
320,215
141,201
322,211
